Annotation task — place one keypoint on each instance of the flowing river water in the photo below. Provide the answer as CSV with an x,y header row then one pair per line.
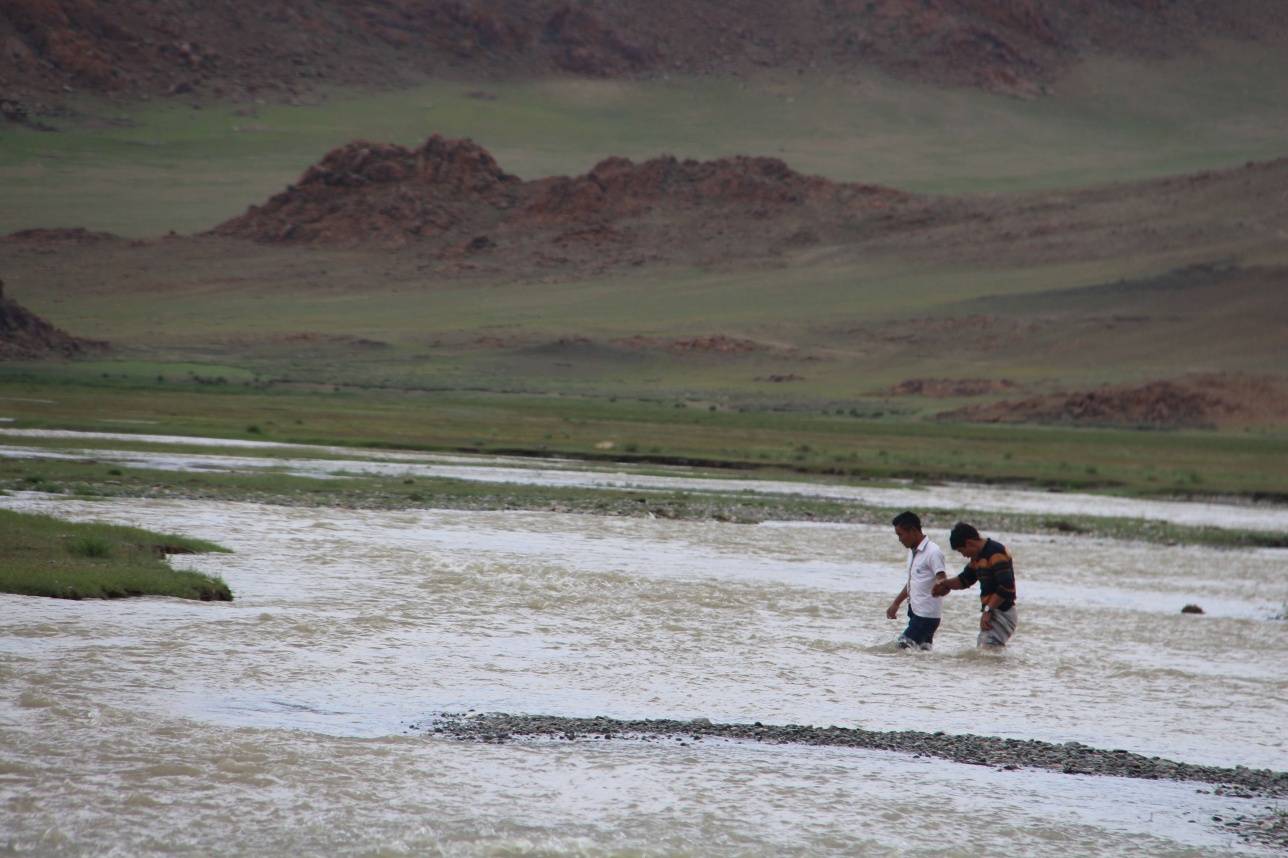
x,y
281,723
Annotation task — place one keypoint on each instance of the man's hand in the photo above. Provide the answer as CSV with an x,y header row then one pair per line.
x,y
985,621
941,588
892,612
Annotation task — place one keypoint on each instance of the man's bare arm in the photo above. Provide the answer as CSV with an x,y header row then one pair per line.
x,y
892,612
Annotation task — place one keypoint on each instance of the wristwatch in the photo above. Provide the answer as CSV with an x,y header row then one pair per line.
x,y
987,609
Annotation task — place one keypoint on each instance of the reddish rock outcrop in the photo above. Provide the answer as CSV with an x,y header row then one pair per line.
x,y
1203,401
452,197
59,235
385,195
945,387
618,187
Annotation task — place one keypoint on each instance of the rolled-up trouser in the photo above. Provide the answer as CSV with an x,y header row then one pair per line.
x,y
1004,623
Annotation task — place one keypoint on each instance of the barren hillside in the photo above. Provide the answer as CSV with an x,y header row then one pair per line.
x,y
24,335
237,48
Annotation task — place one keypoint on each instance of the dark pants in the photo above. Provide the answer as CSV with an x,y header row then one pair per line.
x,y
920,632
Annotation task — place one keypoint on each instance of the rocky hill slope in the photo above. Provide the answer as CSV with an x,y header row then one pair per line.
x,y
236,48
449,199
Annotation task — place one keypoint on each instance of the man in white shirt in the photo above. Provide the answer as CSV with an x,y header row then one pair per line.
x,y
925,568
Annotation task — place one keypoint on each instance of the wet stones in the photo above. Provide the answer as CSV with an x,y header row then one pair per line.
x,y
1269,828
998,753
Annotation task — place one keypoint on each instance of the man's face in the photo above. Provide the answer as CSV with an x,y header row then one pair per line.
x,y
908,538
970,548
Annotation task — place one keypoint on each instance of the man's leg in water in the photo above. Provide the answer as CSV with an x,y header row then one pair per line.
x,y
1004,623
920,633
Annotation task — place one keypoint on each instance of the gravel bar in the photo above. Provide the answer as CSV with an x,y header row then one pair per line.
x,y
1069,757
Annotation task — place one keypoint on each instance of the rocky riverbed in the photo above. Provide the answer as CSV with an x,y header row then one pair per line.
x,y
1267,826
1069,757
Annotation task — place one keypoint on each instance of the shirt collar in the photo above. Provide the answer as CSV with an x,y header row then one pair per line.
x,y
921,546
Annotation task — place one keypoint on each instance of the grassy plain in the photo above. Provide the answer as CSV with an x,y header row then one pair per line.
x,y
47,556
145,169
213,337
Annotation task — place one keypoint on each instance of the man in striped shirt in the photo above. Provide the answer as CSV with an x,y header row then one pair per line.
x,y
990,564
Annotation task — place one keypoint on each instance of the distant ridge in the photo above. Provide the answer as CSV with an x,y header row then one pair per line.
x,y
240,48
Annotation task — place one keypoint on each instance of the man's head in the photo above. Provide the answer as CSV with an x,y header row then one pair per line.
x,y
907,528
965,540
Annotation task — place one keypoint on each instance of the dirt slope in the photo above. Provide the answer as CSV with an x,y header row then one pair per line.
x,y
26,336
236,47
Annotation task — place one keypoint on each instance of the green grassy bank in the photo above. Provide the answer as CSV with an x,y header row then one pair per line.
x,y
47,556
833,443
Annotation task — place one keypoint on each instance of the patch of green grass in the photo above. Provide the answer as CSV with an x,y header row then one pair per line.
x,y
752,433
797,440
47,556
90,546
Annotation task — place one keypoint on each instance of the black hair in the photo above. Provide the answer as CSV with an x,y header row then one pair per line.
x,y
960,533
907,520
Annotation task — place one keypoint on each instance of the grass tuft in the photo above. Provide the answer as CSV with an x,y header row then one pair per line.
x,y
90,546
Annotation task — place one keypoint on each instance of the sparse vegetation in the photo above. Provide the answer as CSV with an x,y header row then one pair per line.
x,y
733,507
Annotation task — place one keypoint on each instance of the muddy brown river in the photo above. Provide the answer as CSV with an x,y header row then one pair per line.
x,y
281,724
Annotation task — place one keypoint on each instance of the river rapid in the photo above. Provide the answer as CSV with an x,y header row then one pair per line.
x,y
281,723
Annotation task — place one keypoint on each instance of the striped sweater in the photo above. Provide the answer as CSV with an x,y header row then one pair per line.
x,y
994,571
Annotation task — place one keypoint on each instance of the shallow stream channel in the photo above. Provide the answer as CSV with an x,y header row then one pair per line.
x,y
307,716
